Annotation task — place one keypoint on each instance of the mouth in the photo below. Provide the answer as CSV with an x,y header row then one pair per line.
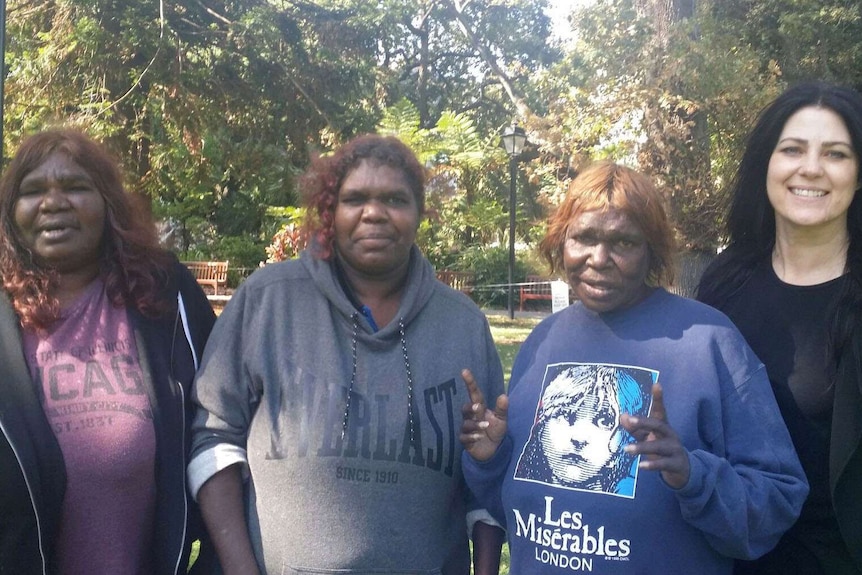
x,y
374,240
573,458
55,230
808,192
598,287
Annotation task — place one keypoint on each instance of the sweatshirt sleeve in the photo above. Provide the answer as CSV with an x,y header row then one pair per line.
x,y
485,479
492,387
746,494
225,399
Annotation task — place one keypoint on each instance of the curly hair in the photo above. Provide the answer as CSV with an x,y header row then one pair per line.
x,y
322,181
132,264
604,186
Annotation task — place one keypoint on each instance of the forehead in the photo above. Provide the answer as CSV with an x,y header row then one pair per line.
x,y
374,177
57,165
607,222
812,122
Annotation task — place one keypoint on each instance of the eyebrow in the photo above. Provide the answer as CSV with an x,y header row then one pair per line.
x,y
804,141
70,179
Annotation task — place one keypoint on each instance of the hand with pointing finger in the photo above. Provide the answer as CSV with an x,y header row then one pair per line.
x,y
658,443
483,429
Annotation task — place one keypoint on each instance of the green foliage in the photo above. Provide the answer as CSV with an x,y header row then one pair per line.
x,y
491,266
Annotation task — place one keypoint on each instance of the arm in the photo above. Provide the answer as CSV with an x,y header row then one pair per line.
x,y
221,503
748,489
487,545
747,499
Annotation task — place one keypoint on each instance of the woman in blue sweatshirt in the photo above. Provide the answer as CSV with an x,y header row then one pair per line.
x,y
639,434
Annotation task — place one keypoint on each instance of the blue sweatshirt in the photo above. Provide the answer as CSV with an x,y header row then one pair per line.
x,y
573,501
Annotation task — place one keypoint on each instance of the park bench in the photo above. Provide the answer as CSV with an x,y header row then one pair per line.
x,y
461,281
212,274
535,288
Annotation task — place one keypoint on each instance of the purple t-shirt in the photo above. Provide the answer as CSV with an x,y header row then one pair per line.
x,y
94,398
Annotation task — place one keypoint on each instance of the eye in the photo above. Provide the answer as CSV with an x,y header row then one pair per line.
x,y
352,200
583,239
837,154
791,150
397,201
604,419
29,191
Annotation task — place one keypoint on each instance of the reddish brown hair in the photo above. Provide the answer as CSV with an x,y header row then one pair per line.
x,y
322,181
606,185
132,265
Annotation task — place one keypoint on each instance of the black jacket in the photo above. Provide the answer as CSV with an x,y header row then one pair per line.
x,y
32,475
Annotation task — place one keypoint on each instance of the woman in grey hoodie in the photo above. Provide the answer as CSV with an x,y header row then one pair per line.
x,y
326,435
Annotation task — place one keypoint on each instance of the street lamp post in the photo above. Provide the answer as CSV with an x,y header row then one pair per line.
x,y
513,141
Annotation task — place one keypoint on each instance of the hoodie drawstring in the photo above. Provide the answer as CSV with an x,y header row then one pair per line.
x,y
410,411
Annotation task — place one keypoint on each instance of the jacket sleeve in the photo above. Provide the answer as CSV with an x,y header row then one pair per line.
x,y
492,386
224,399
744,494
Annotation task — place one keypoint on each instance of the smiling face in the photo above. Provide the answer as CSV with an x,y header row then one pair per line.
x,y
813,172
606,259
376,219
60,216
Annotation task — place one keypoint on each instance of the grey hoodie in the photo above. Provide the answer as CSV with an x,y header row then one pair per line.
x,y
381,493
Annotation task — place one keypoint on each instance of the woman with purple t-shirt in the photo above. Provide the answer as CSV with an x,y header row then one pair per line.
x,y
100,331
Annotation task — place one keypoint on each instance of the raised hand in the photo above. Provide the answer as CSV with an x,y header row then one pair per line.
x,y
658,443
483,429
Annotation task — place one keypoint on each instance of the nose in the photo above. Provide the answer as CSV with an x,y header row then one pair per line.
x,y
600,255
811,166
373,210
54,199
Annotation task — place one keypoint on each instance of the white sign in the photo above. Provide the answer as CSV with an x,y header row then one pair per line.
x,y
559,295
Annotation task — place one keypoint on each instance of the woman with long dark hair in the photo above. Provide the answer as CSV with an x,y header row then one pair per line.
x,y
100,331
791,280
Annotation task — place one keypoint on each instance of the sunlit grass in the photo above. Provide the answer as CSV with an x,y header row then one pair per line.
x,y
508,335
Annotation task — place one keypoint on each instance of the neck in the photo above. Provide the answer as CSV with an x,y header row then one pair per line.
x,y
72,284
810,257
382,294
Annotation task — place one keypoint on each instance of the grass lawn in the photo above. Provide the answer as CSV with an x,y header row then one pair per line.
x,y
508,335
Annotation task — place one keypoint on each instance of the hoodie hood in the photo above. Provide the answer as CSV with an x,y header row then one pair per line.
x,y
417,293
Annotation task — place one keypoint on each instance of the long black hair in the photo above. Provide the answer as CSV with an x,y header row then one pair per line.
x,y
751,219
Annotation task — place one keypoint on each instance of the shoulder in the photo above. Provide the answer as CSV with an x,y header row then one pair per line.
x,y
275,274
454,305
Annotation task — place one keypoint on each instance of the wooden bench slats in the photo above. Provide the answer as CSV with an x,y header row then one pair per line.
x,y
461,281
535,288
212,274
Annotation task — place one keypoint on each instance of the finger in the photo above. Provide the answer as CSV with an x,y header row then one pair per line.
x,y
472,387
501,408
658,411
662,448
470,426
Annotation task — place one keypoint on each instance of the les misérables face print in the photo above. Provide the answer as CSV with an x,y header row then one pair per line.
x,y
576,441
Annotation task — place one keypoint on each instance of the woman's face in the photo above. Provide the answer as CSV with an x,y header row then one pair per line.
x,y
60,215
579,442
376,219
813,172
606,259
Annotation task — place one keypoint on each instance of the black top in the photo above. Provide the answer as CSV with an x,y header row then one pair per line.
x,y
787,326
